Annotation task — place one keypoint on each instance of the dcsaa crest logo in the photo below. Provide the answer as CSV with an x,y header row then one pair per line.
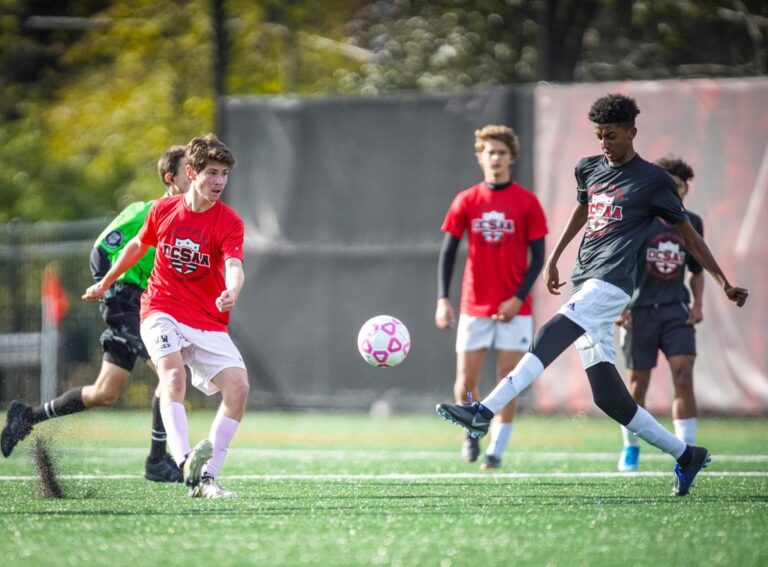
x,y
602,212
185,255
493,226
666,258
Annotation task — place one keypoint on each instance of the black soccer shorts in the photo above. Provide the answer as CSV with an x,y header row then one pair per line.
x,y
662,328
121,340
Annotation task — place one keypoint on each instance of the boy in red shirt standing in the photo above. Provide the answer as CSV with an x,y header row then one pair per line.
x,y
503,222
195,283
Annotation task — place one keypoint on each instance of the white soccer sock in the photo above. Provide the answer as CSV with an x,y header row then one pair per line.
x,y
630,439
650,430
175,421
222,431
527,370
685,429
500,434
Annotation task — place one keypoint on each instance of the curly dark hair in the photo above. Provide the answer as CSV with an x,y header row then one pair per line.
x,y
614,109
677,167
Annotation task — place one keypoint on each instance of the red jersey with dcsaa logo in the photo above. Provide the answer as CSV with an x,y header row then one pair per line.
x,y
188,274
500,225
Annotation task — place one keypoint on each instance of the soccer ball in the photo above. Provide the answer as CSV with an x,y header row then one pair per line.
x,y
383,341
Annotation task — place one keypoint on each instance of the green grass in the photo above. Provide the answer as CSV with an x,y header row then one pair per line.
x,y
325,489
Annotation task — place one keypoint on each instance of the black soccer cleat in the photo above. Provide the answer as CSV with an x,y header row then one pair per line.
x,y
470,449
163,469
17,426
684,476
491,462
469,417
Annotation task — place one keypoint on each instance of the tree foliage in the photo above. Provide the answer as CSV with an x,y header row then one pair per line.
x,y
94,90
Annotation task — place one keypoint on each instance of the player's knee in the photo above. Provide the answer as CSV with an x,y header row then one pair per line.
x,y
618,408
174,387
683,382
242,388
103,396
637,387
110,399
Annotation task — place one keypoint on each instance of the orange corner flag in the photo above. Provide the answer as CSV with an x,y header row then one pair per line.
x,y
54,296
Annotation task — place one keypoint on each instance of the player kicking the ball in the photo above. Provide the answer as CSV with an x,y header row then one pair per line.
x,y
195,283
619,195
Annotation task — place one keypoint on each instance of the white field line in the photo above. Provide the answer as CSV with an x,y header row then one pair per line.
x,y
389,455
411,476
86,455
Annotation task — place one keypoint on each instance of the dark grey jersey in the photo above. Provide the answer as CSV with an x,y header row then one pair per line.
x,y
622,203
663,259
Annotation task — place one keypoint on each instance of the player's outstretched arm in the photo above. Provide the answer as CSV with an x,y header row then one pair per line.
x,y
576,222
701,252
129,255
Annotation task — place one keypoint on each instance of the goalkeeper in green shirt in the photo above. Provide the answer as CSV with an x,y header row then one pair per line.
x,y
121,340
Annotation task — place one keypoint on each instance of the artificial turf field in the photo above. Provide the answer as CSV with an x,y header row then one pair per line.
x,y
330,489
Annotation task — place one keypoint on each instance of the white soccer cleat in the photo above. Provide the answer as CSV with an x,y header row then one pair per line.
x,y
208,488
193,466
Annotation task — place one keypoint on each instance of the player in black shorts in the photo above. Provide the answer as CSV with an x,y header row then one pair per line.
x,y
619,195
121,340
660,316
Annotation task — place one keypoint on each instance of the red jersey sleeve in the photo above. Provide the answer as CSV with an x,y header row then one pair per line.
x,y
148,231
232,245
455,222
536,220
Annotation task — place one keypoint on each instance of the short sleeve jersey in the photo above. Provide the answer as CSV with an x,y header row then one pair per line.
x,y
500,225
622,203
663,259
188,274
117,234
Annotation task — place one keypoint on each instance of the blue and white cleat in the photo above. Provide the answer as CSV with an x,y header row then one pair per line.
x,y
629,459
700,458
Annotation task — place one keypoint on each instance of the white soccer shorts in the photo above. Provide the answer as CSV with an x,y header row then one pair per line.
x,y
595,307
205,352
476,333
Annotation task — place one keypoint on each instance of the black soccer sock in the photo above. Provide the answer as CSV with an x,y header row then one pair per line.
x,y
610,393
159,436
685,458
69,402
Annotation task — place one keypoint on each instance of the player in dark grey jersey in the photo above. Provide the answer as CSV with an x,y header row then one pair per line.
x,y
619,194
660,316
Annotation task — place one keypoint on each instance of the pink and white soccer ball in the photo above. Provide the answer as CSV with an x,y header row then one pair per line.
x,y
383,341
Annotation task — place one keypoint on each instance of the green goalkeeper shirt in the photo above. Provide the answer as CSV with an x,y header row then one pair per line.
x,y
119,232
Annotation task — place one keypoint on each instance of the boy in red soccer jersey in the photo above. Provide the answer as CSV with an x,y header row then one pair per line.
x,y
195,283
503,222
